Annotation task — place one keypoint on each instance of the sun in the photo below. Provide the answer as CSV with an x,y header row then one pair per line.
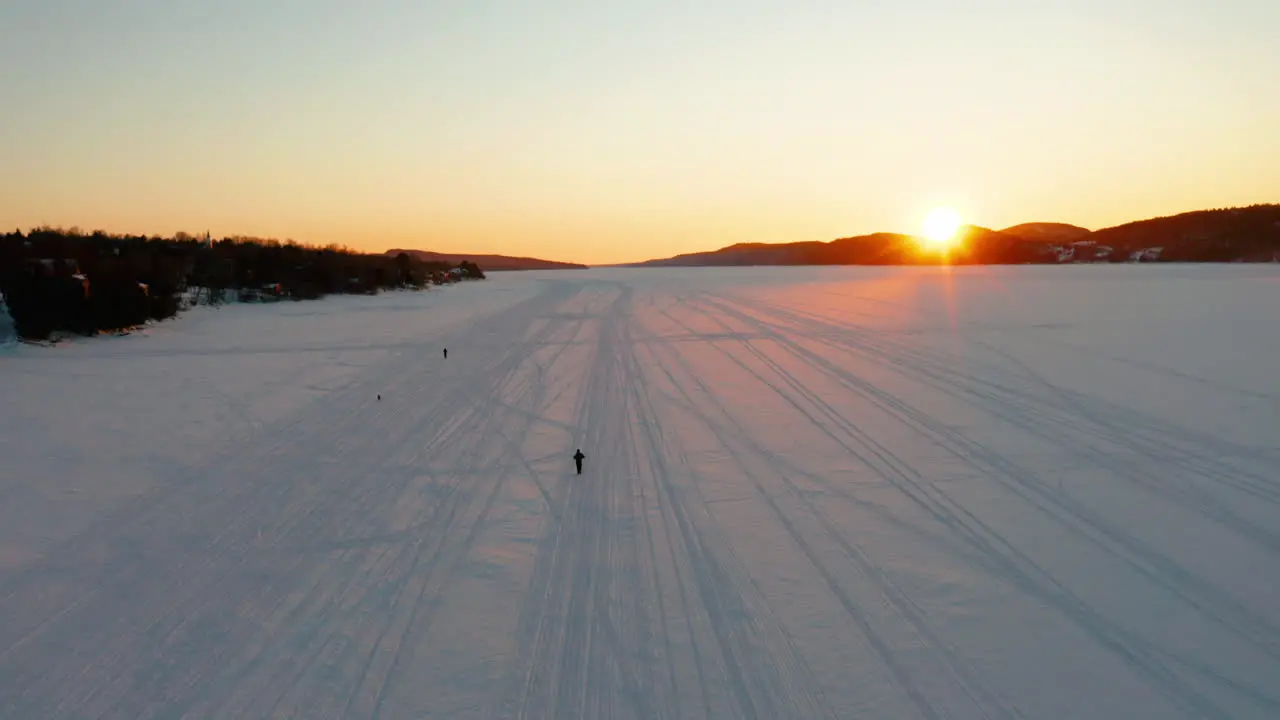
x,y
941,227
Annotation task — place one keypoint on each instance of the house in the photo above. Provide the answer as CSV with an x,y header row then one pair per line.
x,y
1089,251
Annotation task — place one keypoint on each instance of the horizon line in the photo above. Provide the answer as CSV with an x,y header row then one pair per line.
x,y
302,243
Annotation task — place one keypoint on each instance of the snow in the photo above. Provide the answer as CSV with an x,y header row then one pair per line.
x,y
7,334
841,492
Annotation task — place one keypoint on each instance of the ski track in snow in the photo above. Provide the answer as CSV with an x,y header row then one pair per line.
x,y
790,510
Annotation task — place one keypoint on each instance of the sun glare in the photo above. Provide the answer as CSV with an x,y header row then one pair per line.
x,y
940,227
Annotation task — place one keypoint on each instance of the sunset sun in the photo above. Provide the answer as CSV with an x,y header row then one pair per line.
x,y
940,227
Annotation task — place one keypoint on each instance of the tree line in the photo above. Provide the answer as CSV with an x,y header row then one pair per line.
x,y
65,280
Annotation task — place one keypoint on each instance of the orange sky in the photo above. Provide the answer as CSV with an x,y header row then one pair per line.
x,y
599,135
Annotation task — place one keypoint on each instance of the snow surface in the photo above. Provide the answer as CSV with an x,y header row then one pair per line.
x,y
872,493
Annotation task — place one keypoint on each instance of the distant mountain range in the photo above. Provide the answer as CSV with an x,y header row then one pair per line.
x,y
1246,234
489,262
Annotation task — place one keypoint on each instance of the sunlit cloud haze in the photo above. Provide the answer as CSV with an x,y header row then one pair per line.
x,y
611,131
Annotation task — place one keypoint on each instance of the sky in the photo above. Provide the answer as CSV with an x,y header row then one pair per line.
x,y
604,132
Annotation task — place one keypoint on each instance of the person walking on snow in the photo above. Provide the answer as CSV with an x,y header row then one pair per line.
x,y
446,353
577,460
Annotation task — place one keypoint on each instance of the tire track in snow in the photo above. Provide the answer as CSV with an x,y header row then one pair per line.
x,y
329,646
305,506
982,697
511,448
1139,653
379,666
1161,442
782,687
588,651
1218,606
566,621
901,676
881,454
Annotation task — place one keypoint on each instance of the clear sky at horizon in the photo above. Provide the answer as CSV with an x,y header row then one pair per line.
x,y
607,132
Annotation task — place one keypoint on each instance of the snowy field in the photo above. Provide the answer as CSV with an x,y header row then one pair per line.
x,y
809,493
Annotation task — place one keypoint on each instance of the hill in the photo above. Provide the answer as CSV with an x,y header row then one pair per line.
x,y
489,262
979,245
1049,231
1247,234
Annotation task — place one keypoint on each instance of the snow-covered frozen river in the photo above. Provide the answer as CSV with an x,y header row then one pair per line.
x,y
808,493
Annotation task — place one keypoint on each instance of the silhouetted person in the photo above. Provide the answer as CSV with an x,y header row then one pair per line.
x,y
379,396
577,460
446,353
